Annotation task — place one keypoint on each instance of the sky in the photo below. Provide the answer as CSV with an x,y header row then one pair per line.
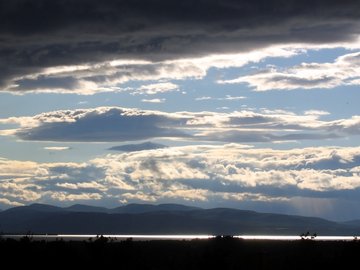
x,y
249,104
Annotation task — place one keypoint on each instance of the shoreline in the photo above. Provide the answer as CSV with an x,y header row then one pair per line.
x,y
149,237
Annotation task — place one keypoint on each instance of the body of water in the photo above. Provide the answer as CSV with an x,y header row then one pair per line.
x,y
116,237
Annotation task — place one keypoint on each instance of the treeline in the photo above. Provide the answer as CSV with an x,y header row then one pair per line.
x,y
217,253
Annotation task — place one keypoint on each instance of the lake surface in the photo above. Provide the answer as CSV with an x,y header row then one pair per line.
x,y
115,237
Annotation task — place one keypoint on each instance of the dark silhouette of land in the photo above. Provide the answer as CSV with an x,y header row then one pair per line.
x,y
218,253
162,219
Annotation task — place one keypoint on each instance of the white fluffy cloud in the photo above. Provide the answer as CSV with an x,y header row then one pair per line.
x,y
154,100
227,174
9,203
156,88
66,197
343,71
318,169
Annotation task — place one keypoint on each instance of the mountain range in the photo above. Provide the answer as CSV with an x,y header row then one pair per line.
x,y
162,219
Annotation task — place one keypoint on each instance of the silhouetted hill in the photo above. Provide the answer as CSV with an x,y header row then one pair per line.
x,y
145,208
352,222
161,219
86,208
35,207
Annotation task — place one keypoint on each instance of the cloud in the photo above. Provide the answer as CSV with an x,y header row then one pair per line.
x,y
57,148
138,196
154,100
93,185
316,112
152,89
251,197
65,197
187,194
227,97
23,182
202,174
95,33
137,147
20,169
115,124
10,203
343,71
22,192
108,76
101,124
307,169
203,98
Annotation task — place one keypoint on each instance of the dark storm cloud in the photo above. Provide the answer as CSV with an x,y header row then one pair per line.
x,y
35,34
50,83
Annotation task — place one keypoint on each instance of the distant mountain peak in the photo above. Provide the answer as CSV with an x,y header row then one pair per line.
x,y
145,208
41,206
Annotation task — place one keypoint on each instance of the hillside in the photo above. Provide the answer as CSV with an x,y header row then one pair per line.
x,y
161,219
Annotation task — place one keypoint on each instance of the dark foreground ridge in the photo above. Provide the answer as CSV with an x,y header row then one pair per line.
x,y
217,253
162,219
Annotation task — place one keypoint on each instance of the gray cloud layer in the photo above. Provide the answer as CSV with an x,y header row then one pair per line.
x,y
137,147
37,34
110,124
